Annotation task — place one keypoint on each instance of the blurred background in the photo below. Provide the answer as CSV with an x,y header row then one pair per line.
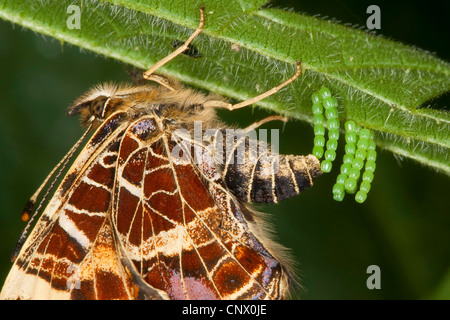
x,y
403,227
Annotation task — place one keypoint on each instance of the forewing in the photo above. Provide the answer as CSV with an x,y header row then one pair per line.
x,y
70,254
180,227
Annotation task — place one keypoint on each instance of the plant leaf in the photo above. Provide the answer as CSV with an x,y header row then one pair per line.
x,y
380,84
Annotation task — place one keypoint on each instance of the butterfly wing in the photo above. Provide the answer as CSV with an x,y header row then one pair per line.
x,y
71,253
180,227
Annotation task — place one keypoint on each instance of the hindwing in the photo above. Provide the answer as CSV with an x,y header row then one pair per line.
x,y
180,226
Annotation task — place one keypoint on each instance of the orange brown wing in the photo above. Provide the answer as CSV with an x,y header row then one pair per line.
x,y
71,252
179,225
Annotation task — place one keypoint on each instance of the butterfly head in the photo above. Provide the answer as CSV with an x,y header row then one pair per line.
x,y
183,106
96,105
93,105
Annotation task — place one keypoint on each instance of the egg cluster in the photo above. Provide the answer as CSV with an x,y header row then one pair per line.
x,y
323,100
359,148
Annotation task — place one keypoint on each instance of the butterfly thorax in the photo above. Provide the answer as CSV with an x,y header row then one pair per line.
x,y
171,109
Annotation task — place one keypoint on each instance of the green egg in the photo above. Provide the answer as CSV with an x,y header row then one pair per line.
x,y
315,97
360,153
341,178
318,119
345,168
332,144
350,137
360,196
326,166
364,134
338,188
330,155
354,173
338,196
350,185
371,155
317,152
319,130
358,163
348,158
333,124
350,148
365,186
331,113
363,143
350,126
324,92
372,145
330,103
367,176
333,134
319,141
370,166
317,108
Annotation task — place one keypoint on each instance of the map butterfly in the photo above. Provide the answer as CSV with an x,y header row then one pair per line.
x,y
146,213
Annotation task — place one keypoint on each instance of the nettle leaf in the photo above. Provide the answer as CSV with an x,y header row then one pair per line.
x,y
246,49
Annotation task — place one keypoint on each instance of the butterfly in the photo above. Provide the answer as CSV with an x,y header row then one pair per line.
x,y
148,212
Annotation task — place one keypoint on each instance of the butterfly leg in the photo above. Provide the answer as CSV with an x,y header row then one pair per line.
x,y
258,98
263,121
161,80
147,74
259,123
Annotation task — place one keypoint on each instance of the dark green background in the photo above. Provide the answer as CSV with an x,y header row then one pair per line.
x,y
403,227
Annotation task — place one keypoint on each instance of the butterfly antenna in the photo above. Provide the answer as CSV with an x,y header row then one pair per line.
x,y
26,213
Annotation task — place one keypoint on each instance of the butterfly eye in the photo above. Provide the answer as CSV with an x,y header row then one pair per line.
x,y
97,105
89,109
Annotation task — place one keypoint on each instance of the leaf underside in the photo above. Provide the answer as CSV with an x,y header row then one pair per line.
x,y
247,49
